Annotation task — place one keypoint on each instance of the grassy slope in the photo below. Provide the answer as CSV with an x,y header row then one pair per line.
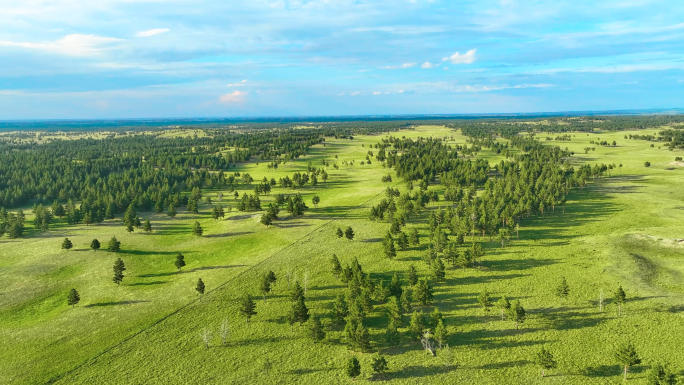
x,y
603,239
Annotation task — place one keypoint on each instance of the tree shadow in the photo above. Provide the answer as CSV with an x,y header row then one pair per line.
x,y
148,283
235,234
114,303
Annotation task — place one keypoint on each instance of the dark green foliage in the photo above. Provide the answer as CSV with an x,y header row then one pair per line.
x,y
316,331
379,364
301,311
197,229
265,286
406,299
504,305
349,233
416,325
118,268
147,227
66,244
412,275
200,288
627,356
484,301
296,206
438,269
413,236
395,286
661,375
353,369
114,245
517,313
422,292
339,233
266,220
95,244
340,310
336,266
248,307
620,297
180,261
296,292
562,290
544,359
390,250
73,298
392,336
441,333
647,164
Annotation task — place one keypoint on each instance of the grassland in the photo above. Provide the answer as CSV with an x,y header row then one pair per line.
x,y
617,231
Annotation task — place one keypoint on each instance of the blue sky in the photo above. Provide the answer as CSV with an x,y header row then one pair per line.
x,y
72,59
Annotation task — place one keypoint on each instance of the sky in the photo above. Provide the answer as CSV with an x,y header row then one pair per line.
x,y
86,59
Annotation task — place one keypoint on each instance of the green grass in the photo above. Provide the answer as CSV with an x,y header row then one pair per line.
x,y
619,230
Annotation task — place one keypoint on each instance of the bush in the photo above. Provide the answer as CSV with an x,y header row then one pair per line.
x,y
647,164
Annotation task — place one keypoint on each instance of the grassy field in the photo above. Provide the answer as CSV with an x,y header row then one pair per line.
x,y
617,231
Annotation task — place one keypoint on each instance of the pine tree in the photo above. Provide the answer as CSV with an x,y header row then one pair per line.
x,y
73,298
423,292
147,227
66,244
197,229
395,286
545,360
661,375
393,309
301,310
265,286
353,367
296,292
180,261
390,250
438,269
392,334
248,307
406,300
620,297
413,237
339,233
379,365
114,245
484,301
517,313
627,356
118,268
504,305
441,333
412,275
172,211
349,233
340,310
363,343
562,290
336,266
95,244
316,329
266,220
200,288
416,325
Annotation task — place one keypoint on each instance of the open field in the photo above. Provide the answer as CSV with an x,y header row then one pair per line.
x,y
620,230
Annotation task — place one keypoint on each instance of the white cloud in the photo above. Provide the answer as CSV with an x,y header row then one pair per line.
x,y
242,83
481,88
680,81
364,70
466,58
405,65
445,68
354,93
71,45
340,94
377,93
233,97
427,64
152,32
401,91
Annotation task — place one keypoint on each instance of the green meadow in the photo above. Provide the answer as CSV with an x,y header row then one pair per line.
x,y
625,229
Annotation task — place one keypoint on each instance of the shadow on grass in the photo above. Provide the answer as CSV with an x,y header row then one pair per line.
x,y
114,303
148,283
235,234
165,274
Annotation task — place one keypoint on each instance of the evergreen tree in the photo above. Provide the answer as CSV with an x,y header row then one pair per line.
x,y
296,292
180,261
147,227
504,305
392,334
316,329
402,241
118,268
200,288
390,250
197,229
395,286
266,220
412,275
484,301
172,211
353,368
423,292
265,286
661,375
627,356
114,245
393,309
301,310
95,244
562,290
379,365
416,325
336,266
73,298
465,259
340,310
349,233
339,233
413,236
316,200
248,307
517,313
620,297
406,300
545,360
363,343
66,244
441,333
438,269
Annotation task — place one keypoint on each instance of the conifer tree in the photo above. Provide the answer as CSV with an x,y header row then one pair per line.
x,y
484,301
627,356
395,286
265,286
296,292
340,310
66,244
73,298
412,275
392,334
545,360
339,233
661,375
147,227
504,305
363,343
416,325
248,307
379,365
301,310
620,297
197,229
114,245
406,300
95,244
336,266
438,269
413,236
517,313
118,268
266,220
441,333
562,290
349,233
316,329
200,288
180,261
423,292
390,250
353,368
